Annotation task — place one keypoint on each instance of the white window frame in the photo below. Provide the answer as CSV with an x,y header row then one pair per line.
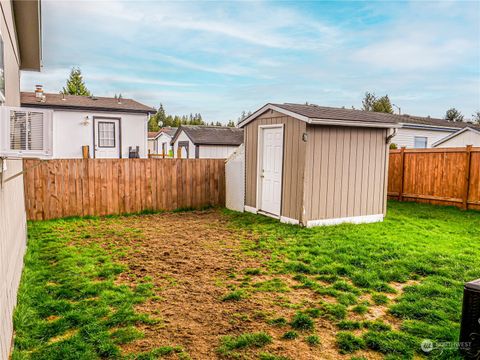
x,y
420,138
5,147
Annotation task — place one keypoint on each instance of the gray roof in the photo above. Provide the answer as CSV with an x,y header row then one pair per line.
x,y
323,112
211,135
75,102
167,130
314,112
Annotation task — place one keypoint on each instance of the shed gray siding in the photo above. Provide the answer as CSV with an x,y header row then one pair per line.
x,y
345,172
293,164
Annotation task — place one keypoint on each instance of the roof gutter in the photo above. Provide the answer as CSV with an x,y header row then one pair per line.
x,y
429,127
353,123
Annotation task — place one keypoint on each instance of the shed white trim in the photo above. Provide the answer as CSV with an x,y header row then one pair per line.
x,y
448,137
315,121
288,220
351,220
250,209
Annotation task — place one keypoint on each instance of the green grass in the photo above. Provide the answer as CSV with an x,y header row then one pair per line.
x,y
229,344
69,306
437,248
235,295
312,340
290,335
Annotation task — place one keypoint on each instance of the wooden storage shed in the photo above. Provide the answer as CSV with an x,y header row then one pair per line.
x,y
313,165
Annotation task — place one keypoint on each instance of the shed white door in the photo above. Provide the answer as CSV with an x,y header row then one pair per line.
x,y
107,138
271,169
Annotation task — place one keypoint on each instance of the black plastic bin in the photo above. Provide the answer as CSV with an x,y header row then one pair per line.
x,y
470,328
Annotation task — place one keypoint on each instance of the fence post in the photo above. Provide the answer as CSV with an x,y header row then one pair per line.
x,y
467,176
402,174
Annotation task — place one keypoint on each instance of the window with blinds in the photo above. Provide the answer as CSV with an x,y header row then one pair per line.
x,y
25,132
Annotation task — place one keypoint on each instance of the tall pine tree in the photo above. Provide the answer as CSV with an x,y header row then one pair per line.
x,y
75,84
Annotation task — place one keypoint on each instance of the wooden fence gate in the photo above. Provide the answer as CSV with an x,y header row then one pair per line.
x,y
442,176
80,187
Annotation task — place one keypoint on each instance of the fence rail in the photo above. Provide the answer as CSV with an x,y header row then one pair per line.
x,y
441,176
80,187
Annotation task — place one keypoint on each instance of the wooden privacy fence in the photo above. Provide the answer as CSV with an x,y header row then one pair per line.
x,y
442,176
61,188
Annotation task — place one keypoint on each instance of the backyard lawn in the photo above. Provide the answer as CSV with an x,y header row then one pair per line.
x,y
218,284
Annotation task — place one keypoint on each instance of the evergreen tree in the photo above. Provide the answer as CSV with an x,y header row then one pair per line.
x,y
75,84
231,123
476,117
371,103
453,115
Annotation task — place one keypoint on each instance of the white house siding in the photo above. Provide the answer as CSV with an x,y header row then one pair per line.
x,y
406,137
215,151
12,207
69,134
151,146
11,55
463,139
13,235
191,146
164,139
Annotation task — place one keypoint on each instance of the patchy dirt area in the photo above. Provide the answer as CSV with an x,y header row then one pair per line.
x,y
194,259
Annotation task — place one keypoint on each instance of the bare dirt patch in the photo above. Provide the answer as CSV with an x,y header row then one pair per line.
x,y
194,259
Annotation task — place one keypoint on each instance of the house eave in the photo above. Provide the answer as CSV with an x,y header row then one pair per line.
x,y
28,26
429,127
85,108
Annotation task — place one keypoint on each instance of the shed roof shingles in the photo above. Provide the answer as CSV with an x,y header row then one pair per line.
x,y
212,135
76,102
330,113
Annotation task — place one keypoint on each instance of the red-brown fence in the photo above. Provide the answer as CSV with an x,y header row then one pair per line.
x,y
61,188
442,176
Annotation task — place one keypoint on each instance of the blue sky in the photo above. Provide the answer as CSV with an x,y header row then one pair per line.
x,y
219,58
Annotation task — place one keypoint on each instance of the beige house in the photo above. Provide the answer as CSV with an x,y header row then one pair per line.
x,y
20,49
312,165
467,136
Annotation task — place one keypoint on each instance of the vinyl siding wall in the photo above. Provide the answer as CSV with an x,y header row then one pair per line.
x,y
11,55
293,164
463,139
12,207
345,172
191,146
13,235
406,137
215,151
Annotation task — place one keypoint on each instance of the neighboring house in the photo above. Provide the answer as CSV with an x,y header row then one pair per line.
x,y
313,165
203,142
57,126
467,136
160,142
423,132
20,49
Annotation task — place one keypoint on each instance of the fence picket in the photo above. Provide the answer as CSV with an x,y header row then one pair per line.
x,y
72,187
